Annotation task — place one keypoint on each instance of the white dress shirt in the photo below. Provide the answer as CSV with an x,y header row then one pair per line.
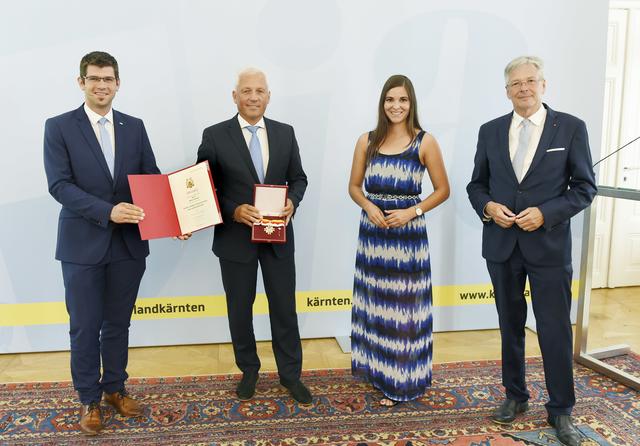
x,y
262,137
94,118
537,120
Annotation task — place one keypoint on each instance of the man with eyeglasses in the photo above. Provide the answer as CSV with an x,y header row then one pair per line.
x,y
532,174
88,153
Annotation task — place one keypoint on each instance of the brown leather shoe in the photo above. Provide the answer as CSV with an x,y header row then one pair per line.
x,y
123,404
90,419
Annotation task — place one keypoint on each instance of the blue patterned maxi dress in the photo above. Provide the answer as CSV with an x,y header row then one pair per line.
x,y
391,324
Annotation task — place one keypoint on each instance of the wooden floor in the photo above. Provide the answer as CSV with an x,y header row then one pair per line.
x,y
614,319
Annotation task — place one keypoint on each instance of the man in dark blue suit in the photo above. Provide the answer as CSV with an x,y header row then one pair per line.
x,y
532,173
88,153
246,150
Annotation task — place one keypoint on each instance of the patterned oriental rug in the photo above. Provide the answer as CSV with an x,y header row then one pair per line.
x,y
204,410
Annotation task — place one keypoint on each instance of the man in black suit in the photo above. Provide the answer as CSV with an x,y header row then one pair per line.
x,y
246,150
532,174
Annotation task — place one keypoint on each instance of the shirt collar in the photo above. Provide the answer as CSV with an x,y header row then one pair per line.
x,y
95,117
537,118
244,123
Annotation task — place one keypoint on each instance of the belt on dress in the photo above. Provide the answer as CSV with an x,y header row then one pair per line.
x,y
393,197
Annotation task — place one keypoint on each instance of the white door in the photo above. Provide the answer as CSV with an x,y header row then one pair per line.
x,y
612,110
624,259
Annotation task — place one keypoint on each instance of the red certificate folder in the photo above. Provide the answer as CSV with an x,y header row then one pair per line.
x,y
176,203
270,201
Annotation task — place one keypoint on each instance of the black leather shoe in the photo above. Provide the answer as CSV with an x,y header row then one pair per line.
x,y
506,413
299,392
247,386
565,430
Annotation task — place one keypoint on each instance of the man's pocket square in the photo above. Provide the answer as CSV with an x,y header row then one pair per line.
x,y
557,149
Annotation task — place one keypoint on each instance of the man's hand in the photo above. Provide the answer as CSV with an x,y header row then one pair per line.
x,y
500,214
397,218
183,237
530,219
288,210
247,214
126,213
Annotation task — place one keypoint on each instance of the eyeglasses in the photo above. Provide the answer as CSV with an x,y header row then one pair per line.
x,y
109,80
529,83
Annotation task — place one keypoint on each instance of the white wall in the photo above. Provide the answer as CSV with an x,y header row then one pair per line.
x,y
326,62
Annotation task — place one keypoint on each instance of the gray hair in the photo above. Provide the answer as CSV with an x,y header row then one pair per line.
x,y
250,71
524,60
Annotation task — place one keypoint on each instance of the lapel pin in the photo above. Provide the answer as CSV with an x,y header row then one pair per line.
x,y
122,123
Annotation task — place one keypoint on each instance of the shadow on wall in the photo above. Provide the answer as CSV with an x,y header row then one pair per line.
x,y
28,242
457,69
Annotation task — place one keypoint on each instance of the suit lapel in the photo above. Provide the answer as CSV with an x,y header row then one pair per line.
x,y
235,133
548,132
271,138
119,130
503,144
92,141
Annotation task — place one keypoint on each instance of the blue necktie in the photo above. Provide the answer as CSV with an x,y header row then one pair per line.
x,y
521,151
105,143
256,151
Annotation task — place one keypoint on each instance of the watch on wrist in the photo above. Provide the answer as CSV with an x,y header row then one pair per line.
x,y
418,211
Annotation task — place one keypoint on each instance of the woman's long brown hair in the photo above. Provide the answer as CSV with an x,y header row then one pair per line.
x,y
379,134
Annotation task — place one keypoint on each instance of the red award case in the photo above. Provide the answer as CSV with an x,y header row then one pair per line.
x,y
270,201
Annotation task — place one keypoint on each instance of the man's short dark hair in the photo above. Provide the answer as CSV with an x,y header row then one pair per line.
x,y
99,59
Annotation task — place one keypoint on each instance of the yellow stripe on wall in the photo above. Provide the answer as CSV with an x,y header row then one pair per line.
x,y
187,307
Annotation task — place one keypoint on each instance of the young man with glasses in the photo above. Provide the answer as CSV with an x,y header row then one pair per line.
x,y
88,153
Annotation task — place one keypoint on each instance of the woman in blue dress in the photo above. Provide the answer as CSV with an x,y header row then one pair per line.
x,y
391,323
